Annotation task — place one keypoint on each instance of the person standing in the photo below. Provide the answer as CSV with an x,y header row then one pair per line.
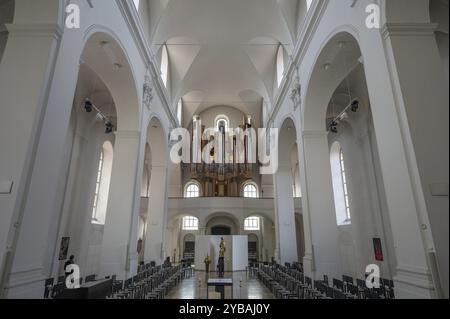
x,y
70,261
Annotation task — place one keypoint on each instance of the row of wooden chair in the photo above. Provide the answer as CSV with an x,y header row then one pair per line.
x,y
153,283
52,289
289,282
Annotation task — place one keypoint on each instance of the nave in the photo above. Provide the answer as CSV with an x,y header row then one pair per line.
x,y
130,145
259,281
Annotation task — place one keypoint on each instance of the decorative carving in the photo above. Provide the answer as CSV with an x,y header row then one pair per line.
x,y
296,93
148,91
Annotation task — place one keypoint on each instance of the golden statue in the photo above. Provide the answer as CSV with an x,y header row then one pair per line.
x,y
222,248
207,262
221,265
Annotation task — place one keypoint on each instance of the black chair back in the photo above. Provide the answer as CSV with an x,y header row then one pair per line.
x,y
308,281
338,294
338,284
360,283
128,282
330,292
58,289
347,279
48,285
325,280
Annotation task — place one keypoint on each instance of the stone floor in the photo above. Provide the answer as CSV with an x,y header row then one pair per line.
x,y
244,287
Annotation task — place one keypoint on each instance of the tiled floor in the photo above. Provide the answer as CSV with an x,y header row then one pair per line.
x,y
244,287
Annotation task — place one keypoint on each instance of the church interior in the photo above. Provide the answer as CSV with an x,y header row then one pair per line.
x,y
224,149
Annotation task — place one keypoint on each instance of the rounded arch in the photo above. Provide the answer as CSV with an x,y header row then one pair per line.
x,y
260,214
156,137
295,163
189,237
280,64
164,66
105,162
249,189
286,141
179,112
105,54
146,173
282,119
192,189
219,218
339,52
184,214
220,120
340,189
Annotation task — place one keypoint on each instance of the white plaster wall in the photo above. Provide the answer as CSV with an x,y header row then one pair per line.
x,y
34,252
240,253
84,144
397,134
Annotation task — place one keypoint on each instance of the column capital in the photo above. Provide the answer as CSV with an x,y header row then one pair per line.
x,y
314,134
35,30
127,134
408,29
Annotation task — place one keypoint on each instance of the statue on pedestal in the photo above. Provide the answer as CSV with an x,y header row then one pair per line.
x,y
207,261
221,264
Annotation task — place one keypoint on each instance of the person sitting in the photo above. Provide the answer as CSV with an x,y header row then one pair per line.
x,y
167,263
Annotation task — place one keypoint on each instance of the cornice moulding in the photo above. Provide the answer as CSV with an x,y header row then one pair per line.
x,y
408,29
35,30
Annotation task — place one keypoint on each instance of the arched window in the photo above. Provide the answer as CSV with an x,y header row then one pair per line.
x,y
192,190
340,186
344,184
308,4
222,123
250,190
190,223
164,65
136,4
280,64
251,223
180,111
103,178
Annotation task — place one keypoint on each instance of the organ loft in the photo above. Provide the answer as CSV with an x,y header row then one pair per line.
x,y
224,160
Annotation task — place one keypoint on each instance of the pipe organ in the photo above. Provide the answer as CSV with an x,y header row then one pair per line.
x,y
221,159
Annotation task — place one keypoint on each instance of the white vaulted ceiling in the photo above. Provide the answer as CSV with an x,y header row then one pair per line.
x,y
223,52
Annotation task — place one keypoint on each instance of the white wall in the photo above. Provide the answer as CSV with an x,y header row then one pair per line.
x,y
368,218
236,252
84,144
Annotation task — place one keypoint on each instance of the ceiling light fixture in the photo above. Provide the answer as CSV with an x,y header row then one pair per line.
x,y
353,106
89,107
